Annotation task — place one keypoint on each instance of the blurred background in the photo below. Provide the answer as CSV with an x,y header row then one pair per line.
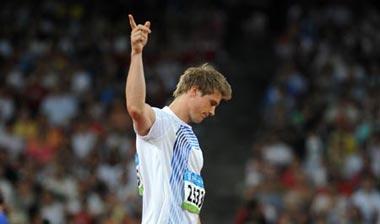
x,y
298,143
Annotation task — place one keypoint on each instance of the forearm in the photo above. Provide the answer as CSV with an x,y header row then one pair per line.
x,y
135,90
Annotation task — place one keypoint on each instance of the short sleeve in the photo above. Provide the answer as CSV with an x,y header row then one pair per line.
x,y
159,127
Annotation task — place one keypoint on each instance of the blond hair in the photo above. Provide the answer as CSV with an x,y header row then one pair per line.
x,y
206,78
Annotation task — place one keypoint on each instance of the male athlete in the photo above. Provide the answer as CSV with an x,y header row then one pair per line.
x,y
169,159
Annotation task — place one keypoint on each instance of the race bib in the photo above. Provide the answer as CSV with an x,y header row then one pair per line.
x,y
194,192
140,187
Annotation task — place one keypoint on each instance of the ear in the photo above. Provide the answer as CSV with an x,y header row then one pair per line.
x,y
193,91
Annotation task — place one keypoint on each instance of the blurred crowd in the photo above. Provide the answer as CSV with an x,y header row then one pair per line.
x,y
315,157
66,141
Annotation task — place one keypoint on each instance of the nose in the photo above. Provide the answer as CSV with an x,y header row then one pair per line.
x,y
212,112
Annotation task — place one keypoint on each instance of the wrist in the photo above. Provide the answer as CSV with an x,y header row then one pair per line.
x,y
135,53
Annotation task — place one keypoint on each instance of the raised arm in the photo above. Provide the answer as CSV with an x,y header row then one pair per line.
x,y
141,113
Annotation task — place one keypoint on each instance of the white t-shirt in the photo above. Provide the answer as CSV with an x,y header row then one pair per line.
x,y
168,162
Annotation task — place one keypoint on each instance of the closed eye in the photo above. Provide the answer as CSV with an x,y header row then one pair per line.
x,y
213,103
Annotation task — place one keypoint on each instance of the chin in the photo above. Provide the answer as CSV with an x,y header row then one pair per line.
x,y
198,121
202,119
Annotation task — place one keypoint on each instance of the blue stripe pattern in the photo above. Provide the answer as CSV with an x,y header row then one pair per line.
x,y
137,161
185,141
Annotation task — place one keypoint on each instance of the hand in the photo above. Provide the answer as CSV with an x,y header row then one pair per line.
x,y
139,35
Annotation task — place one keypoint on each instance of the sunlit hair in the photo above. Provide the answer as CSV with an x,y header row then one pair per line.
x,y
206,78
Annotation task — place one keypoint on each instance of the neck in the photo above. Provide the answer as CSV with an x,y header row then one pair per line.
x,y
179,108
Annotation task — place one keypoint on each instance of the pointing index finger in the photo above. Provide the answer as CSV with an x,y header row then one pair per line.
x,y
132,21
147,24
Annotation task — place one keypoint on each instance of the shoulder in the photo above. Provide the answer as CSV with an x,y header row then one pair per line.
x,y
163,115
162,125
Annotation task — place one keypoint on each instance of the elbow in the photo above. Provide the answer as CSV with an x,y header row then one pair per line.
x,y
134,112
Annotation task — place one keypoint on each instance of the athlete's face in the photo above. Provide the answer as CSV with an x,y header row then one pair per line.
x,y
203,106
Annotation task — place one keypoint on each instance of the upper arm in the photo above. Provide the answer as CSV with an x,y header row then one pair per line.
x,y
142,120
